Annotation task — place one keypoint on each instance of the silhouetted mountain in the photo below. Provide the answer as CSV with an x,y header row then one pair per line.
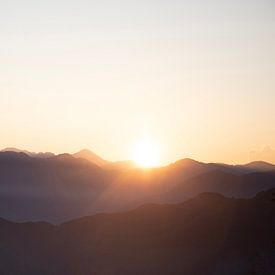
x,y
207,235
260,166
13,149
108,165
52,189
238,186
63,187
92,157
31,154
186,168
196,167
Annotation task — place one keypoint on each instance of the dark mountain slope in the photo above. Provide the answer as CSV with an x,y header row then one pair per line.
x,y
52,189
63,187
260,166
209,234
31,154
238,186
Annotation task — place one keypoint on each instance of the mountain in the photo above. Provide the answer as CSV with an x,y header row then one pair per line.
x,y
31,154
13,149
51,189
108,165
64,187
92,157
207,235
260,166
238,186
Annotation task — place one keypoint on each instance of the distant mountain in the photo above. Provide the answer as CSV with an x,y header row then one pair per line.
x,y
52,189
108,165
228,184
63,187
187,168
198,167
13,149
92,157
206,235
31,154
260,166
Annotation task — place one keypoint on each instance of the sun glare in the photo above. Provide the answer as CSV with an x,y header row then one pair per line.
x,y
146,153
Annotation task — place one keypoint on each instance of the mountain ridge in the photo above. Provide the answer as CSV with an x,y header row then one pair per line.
x,y
63,187
95,158
207,235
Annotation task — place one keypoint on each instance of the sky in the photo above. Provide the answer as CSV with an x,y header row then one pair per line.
x,y
197,77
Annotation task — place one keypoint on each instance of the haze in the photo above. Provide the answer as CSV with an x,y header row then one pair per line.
x,y
196,76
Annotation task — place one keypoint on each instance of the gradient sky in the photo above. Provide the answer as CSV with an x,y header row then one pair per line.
x,y
197,76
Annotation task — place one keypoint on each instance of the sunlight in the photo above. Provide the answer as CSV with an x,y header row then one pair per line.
x,y
146,153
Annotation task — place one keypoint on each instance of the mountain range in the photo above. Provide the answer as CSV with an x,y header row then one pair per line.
x,y
77,213
207,235
56,188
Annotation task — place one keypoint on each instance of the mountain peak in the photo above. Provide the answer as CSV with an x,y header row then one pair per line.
x,y
187,162
261,165
13,154
31,154
90,156
16,150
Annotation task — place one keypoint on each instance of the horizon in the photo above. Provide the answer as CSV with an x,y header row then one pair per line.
x,y
195,77
18,150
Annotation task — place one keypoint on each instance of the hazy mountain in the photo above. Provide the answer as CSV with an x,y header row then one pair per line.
x,y
186,168
63,187
260,166
196,167
13,149
209,234
31,154
90,156
108,165
238,186
52,189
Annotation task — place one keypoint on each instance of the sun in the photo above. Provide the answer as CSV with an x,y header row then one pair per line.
x,y
146,153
